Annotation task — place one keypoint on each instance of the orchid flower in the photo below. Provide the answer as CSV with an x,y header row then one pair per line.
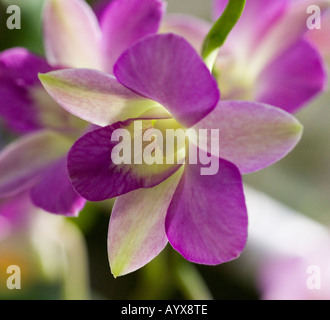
x,y
288,251
266,57
159,83
48,250
73,38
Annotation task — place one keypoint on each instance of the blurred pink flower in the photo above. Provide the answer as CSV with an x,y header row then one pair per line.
x,y
266,57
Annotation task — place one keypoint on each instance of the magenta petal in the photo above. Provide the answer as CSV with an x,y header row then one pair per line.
x,y
16,108
126,21
207,219
96,177
293,78
18,76
167,69
54,192
22,67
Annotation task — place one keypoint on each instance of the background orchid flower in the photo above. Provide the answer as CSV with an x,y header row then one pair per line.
x,y
73,37
49,251
154,205
266,57
288,252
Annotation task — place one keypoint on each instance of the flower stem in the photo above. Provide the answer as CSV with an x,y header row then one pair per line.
x,y
220,30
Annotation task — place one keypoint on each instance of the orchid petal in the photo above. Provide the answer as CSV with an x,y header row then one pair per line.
x,y
165,68
18,77
54,193
193,29
137,226
72,34
96,176
94,96
251,135
293,78
16,108
207,218
126,21
250,29
99,7
15,213
22,67
278,38
22,161
320,37
25,105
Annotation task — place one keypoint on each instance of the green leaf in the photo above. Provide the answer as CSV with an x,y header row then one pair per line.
x,y
220,30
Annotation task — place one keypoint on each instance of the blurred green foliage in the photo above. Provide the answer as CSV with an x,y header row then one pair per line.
x,y
30,34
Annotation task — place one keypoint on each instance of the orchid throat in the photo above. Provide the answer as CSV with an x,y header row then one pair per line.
x,y
165,142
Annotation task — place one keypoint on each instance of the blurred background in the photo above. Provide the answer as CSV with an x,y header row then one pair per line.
x,y
72,261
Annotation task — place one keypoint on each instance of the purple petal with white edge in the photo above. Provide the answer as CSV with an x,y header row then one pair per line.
x,y
167,69
72,34
126,21
251,135
137,226
96,171
207,219
22,161
18,76
193,29
94,96
293,78
54,192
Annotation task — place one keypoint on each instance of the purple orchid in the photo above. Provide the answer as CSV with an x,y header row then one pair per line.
x,y
73,38
290,251
162,82
266,57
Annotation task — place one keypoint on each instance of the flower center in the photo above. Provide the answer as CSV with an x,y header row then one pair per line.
x,y
170,138
234,78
